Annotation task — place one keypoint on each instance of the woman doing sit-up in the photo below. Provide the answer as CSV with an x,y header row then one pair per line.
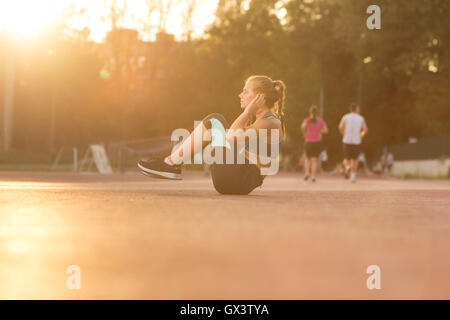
x,y
262,104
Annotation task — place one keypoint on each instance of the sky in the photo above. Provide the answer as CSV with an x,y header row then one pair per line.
x,y
28,18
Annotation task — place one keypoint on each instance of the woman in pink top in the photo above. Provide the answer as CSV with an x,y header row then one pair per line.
x,y
312,128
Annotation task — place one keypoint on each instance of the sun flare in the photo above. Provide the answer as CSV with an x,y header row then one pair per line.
x,y
28,17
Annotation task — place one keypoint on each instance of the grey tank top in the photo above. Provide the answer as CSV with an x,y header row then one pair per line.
x,y
269,143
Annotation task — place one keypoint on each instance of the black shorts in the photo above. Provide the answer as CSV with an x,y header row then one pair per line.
x,y
313,149
351,151
232,178
236,178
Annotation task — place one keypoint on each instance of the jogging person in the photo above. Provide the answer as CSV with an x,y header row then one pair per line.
x,y
353,127
312,128
262,101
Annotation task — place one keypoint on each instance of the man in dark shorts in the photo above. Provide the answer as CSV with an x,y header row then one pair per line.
x,y
351,151
353,127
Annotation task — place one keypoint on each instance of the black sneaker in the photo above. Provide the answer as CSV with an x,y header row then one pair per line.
x,y
313,179
306,177
160,169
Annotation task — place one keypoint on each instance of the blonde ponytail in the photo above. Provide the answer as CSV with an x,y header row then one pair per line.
x,y
279,105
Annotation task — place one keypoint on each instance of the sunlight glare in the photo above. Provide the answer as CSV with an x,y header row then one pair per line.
x,y
28,17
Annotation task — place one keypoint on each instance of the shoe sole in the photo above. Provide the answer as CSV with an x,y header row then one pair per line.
x,y
166,175
152,175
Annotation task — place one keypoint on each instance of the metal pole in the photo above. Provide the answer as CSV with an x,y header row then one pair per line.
x,y
360,87
321,102
53,122
58,156
75,159
8,101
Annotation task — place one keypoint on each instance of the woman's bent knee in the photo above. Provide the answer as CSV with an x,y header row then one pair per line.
x,y
217,116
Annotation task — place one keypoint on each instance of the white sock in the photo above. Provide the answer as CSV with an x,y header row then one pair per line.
x,y
353,175
167,160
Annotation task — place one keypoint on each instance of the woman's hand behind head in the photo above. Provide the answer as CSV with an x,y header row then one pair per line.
x,y
257,103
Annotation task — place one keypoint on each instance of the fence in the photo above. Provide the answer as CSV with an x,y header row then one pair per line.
x,y
127,153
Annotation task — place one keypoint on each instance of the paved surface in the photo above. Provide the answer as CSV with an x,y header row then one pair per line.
x,y
135,237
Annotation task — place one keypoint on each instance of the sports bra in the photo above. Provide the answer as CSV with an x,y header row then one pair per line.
x,y
269,143
271,116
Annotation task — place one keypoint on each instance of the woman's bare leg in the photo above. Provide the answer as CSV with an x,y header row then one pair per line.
x,y
307,166
313,166
200,133
198,139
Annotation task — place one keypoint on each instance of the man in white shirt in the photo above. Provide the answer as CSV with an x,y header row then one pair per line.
x,y
353,127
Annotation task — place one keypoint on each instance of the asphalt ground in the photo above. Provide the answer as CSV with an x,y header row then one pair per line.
x,y
135,237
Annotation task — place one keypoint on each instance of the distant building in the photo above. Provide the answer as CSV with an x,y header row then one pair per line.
x,y
427,158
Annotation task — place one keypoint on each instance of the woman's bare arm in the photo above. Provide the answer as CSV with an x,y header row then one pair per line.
x,y
239,125
304,128
241,121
